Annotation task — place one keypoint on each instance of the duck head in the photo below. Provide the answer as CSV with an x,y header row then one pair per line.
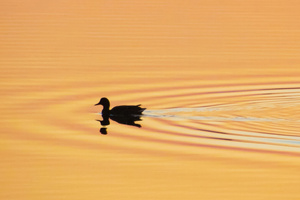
x,y
104,102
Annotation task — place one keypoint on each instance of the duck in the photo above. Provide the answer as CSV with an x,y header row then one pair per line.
x,y
123,110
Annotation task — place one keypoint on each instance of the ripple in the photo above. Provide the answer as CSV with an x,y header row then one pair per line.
x,y
258,117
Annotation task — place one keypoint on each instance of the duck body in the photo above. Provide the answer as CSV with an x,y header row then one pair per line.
x,y
124,110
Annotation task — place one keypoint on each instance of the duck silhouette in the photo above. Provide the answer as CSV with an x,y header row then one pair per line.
x,y
124,114
123,110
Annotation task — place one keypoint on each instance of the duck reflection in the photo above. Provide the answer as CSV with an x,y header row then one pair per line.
x,y
103,131
121,119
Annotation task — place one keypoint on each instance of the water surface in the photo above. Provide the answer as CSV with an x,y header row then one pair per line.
x,y
220,82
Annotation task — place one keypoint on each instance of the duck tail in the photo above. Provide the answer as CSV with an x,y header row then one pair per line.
x,y
140,109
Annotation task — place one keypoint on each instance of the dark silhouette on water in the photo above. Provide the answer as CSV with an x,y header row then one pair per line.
x,y
103,131
119,110
124,114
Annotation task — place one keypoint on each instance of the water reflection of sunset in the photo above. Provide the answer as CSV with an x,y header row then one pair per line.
x,y
220,81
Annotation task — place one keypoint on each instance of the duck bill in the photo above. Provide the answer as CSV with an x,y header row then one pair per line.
x,y
97,104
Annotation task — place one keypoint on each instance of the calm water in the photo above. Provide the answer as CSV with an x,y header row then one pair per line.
x,y
220,81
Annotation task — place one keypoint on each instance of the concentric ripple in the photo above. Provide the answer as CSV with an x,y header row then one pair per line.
x,y
243,117
239,117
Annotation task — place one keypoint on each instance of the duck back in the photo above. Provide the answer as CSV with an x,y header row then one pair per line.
x,y
127,110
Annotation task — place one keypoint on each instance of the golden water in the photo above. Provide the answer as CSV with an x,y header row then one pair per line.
x,y
220,81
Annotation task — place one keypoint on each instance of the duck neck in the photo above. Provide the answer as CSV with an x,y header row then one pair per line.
x,y
105,111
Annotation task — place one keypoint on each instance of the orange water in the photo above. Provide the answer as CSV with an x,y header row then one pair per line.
x,y
220,81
